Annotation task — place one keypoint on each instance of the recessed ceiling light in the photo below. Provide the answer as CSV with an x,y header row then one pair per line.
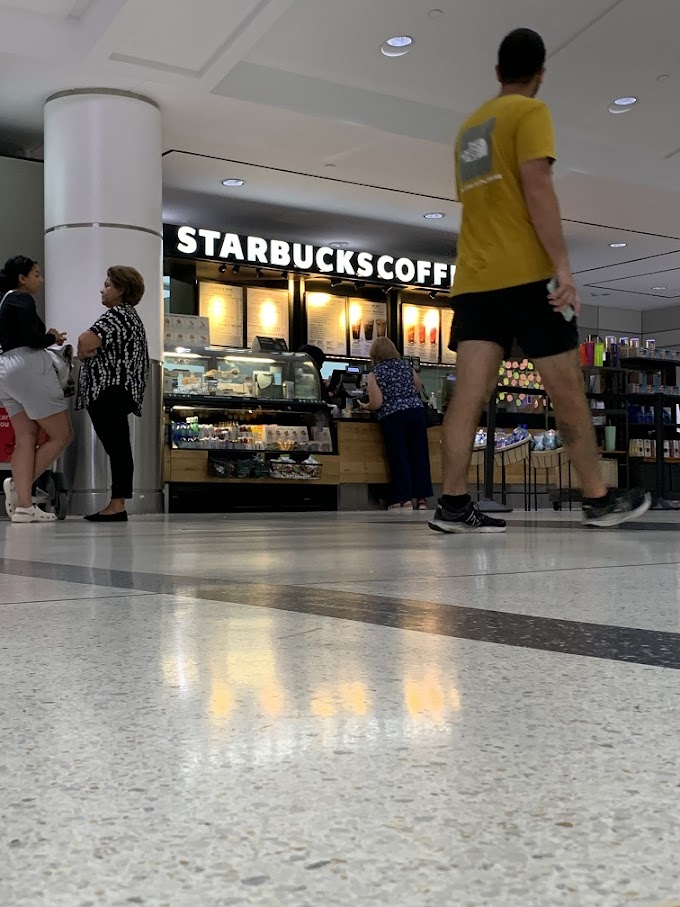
x,y
233,183
435,13
618,245
623,105
659,288
397,46
434,215
339,245
664,77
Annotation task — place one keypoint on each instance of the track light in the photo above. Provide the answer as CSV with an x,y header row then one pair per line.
x,y
236,269
222,269
359,285
336,281
258,272
284,275
434,294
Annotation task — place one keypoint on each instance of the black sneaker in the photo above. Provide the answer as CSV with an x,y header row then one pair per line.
x,y
469,519
620,507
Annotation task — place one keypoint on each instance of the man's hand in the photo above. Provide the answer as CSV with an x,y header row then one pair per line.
x,y
566,294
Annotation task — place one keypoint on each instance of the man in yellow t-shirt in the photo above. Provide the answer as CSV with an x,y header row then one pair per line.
x,y
511,246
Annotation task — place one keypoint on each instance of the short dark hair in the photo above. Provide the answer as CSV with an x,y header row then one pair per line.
x,y
129,281
18,266
521,57
315,353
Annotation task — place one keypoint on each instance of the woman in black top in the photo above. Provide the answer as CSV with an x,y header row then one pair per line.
x,y
113,378
29,388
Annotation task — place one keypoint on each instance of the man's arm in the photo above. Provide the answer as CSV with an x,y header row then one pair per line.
x,y
544,211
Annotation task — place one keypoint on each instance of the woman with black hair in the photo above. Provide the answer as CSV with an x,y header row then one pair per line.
x,y
29,388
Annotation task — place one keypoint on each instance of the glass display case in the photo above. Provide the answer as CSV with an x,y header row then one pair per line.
x,y
217,372
246,408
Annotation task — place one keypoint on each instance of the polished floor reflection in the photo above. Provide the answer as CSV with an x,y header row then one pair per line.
x,y
338,710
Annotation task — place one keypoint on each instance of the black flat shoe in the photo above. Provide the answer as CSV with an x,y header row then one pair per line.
x,y
121,517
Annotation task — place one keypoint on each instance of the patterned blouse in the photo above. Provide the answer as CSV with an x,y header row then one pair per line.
x,y
121,361
395,380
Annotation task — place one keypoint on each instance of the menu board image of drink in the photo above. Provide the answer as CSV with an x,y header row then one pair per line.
x,y
223,306
327,323
367,320
448,356
267,314
421,328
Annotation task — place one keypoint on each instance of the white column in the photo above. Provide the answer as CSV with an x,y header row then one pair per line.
x,y
103,207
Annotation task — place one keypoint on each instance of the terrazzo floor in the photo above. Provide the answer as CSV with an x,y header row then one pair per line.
x,y
339,710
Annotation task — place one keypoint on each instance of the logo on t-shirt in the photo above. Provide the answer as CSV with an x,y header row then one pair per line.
x,y
475,154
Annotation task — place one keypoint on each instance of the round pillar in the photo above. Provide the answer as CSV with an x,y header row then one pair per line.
x,y
103,207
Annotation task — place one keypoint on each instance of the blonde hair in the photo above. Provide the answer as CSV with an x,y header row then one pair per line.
x,y
383,349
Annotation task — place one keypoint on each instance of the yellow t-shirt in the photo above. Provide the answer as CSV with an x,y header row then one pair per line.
x,y
498,246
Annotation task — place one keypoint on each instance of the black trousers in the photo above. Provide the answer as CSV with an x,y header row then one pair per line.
x,y
408,455
109,414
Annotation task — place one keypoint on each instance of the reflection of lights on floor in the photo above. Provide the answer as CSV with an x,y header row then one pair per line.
x,y
354,698
424,698
221,700
273,701
322,705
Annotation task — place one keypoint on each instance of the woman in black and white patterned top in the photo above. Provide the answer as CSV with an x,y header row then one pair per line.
x,y
113,376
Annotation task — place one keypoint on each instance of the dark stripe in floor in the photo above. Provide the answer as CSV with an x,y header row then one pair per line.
x,y
627,644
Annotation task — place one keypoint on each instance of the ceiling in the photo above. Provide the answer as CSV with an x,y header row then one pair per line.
x,y
337,142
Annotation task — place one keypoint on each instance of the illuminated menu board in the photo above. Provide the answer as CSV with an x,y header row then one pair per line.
x,y
267,314
367,320
222,305
421,326
327,323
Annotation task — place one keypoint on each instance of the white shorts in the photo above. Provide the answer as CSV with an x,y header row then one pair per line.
x,y
29,384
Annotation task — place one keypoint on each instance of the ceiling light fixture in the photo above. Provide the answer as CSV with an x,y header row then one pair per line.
x,y
233,183
222,269
236,269
284,275
336,281
397,46
659,289
618,245
258,272
434,215
339,245
435,13
623,105
359,285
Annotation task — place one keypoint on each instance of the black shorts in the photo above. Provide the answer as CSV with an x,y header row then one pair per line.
x,y
518,314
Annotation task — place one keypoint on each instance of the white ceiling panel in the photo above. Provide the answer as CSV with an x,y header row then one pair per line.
x,y
662,285
185,37
58,9
451,64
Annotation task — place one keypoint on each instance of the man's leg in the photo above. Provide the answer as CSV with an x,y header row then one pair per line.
x,y
563,380
476,377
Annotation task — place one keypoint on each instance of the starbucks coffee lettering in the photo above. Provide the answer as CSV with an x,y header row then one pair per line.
x,y
213,245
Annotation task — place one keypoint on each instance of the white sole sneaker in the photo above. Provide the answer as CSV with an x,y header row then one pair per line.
x,y
10,496
33,515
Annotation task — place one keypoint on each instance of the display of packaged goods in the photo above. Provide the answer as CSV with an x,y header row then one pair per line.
x,y
190,435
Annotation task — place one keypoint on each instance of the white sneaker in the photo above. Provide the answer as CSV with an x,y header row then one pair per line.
x,y
11,499
32,515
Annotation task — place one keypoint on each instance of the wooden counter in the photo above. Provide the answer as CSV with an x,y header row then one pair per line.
x,y
360,461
